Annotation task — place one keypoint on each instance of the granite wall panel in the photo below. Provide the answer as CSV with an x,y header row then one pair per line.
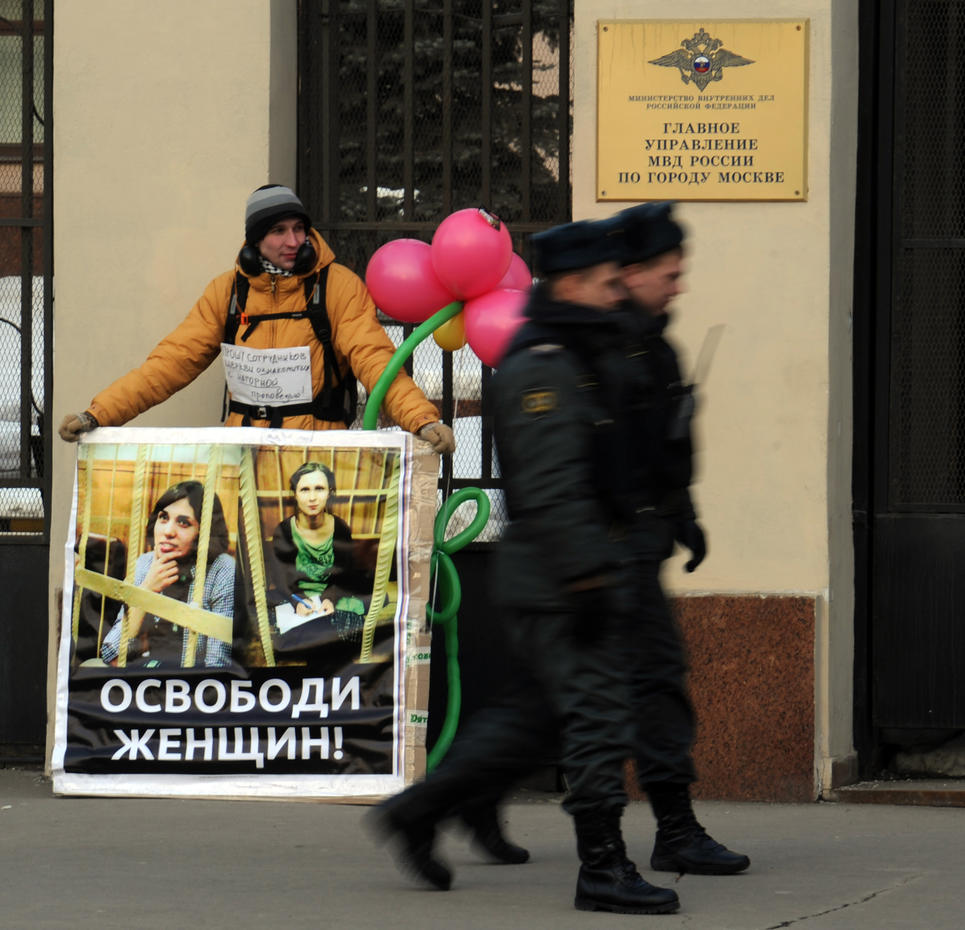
x,y
752,684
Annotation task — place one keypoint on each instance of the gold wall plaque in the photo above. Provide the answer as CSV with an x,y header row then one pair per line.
x,y
702,110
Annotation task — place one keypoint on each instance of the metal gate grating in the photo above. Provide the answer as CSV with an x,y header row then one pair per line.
x,y
927,400
411,110
25,282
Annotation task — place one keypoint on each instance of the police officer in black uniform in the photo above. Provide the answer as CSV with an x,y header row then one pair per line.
x,y
564,417
664,731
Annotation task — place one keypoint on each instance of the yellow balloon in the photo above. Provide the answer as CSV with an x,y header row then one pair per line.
x,y
451,335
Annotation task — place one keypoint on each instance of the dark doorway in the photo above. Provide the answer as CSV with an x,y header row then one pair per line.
x,y
26,296
910,381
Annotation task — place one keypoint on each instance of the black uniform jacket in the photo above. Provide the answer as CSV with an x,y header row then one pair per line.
x,y
592,429
562,418
664,448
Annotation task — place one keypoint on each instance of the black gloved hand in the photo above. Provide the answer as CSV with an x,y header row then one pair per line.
x,y
689,534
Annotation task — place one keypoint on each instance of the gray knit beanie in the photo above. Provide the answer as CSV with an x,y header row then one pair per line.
x,y
266,206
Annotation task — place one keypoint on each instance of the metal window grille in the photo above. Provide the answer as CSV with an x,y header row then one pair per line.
x,y
25,268
411,110
927,397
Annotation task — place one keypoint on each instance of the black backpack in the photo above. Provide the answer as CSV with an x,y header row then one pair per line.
x,y
338,399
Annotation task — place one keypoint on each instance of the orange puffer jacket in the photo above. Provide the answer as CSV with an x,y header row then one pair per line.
x,y
359,340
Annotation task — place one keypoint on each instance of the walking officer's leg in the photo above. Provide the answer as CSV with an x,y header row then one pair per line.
x,y
664,721
664,736
576,659
499,745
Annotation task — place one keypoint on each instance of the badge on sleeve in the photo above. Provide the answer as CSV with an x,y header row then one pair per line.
x,y
537,402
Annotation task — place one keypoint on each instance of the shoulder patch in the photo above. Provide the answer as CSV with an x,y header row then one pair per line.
x,y
539,401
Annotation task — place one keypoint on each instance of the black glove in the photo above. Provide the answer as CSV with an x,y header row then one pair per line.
x,y
689,534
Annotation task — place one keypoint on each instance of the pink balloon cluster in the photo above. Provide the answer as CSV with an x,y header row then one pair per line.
x,y
471,260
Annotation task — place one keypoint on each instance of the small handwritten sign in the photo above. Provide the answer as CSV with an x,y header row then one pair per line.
x,y
270,377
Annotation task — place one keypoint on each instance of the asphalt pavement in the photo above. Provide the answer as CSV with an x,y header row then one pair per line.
x,y
127,863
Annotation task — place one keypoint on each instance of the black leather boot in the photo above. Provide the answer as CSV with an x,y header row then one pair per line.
x,y
411,834
682,844
486,833
608,880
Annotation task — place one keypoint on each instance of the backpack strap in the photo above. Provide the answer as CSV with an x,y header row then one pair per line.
x,y
236,308
238,316
338,399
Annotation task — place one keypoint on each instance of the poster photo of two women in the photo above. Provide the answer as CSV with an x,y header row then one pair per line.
x,y
234,608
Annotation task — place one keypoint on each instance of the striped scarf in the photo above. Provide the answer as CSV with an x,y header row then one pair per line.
x,y
273,269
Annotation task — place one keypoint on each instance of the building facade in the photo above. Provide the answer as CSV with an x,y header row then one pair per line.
x,y
162,132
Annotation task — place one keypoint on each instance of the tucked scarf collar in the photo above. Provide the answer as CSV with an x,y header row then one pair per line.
x,y
274,269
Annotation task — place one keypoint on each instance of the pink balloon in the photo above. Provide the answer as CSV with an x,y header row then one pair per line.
x,y
471,251
402,282
519,277
492,321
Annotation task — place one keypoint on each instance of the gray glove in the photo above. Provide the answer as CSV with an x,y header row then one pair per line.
x,y
74,424
439,436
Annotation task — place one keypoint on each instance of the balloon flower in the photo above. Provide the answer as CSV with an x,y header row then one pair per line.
x,y
467,286
470,264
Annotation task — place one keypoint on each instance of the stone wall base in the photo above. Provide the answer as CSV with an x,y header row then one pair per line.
x,y
752,684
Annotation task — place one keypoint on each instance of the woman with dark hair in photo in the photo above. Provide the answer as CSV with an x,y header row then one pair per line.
x,y
312,558
168,568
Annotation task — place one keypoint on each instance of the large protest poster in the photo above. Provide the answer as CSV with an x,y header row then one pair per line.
x,y
244,614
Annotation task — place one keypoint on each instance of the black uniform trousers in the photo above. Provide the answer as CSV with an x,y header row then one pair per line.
x,y
568,701
664,721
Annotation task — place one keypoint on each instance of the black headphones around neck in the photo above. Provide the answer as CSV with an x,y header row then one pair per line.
x,y
249,259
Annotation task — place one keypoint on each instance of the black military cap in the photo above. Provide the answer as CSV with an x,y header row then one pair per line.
x,y
573,246
648,230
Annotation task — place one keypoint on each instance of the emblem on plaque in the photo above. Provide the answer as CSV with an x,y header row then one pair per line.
x,y
701,59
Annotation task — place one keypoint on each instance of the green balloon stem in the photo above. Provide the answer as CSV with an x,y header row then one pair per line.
x,y
400,357
453,704
450,597
443,577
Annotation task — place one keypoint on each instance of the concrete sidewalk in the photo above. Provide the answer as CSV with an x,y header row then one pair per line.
x,y
84,863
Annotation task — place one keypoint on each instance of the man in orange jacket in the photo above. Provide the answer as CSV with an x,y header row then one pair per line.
x,y
284,269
